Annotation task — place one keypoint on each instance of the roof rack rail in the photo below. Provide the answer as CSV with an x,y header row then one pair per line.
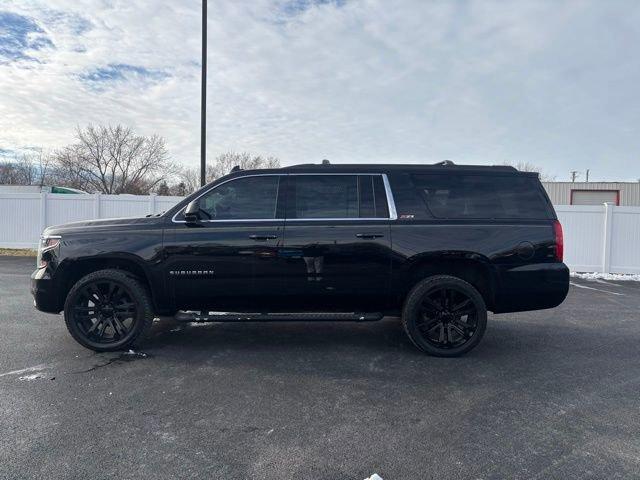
x,y
444,163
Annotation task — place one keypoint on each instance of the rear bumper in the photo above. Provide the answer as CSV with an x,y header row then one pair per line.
x,y
531,287
43,290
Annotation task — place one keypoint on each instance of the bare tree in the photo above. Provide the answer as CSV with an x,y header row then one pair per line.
x,y
190,178
9,173
223,164
26,169
179,190
114,160
530,167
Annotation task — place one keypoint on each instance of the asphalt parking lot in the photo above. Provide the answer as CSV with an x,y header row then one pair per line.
x,y
549,394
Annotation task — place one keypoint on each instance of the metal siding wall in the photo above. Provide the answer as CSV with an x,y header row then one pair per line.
x,y
560,192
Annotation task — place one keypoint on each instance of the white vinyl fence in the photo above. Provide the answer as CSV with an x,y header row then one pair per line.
x,y
602,238
23,216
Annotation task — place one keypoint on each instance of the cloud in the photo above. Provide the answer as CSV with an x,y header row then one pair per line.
x,y
100,77
6,153
547,82
19,35
295,7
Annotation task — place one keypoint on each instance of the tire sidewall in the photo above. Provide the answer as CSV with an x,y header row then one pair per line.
x,y
133,289
411,310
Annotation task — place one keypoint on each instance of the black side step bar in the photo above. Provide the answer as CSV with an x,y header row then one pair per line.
x,y
199,316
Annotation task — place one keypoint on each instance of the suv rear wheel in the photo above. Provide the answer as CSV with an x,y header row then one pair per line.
x,y
108,310
444,316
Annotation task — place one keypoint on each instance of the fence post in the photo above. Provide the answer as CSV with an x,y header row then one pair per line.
x,y
43,211
96,205
152,204
606,237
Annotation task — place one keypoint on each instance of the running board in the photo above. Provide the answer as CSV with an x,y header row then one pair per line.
x,y
197,316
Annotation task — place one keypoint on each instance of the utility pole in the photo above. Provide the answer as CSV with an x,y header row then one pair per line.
x,y
203,99
587,178
574,175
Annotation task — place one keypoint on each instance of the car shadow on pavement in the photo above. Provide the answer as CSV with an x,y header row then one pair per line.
x,y
512,350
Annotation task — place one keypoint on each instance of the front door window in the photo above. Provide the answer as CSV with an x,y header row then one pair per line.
x,y
248,198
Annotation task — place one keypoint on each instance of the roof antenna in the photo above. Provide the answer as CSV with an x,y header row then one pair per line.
x,y
325,162
445,163
236,169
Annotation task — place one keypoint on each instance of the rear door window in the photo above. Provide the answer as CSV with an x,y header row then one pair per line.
x,y
336,197
373,198
457,196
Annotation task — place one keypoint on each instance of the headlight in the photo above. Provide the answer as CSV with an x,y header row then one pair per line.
x,y
47,244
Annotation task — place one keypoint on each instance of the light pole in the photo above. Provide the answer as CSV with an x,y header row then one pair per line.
x,y
203,99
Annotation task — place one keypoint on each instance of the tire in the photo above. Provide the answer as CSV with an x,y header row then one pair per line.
x,y
108,310
444,324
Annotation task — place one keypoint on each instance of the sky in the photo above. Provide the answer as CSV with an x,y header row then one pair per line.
x,y
553,83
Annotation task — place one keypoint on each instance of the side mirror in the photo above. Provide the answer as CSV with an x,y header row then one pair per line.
x,y
192,212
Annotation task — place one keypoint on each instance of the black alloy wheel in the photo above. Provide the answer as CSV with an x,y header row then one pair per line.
x,y
445,316
107,310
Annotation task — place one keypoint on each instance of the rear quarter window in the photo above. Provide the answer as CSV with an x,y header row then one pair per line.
x,y
456,196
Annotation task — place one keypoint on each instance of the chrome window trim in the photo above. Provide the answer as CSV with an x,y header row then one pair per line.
x,y
391,204
387,188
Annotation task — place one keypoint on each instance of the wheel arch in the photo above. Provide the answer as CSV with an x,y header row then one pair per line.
x,y
71,271
471,267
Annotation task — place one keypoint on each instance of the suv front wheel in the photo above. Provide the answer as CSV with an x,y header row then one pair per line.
x,y
444,316
108,310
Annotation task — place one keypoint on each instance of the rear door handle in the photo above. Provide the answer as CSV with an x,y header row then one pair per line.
x,y
263,237
369,235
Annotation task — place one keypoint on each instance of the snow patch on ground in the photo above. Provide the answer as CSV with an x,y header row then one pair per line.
x,y
33,376
375,476
607,276
37,368
136,354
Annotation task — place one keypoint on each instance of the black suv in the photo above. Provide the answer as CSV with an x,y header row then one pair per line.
x,y
438,245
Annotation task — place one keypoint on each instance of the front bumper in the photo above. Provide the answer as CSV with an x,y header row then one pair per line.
x,y
44,292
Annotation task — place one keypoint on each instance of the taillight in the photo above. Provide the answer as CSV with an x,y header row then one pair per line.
x,y
559,239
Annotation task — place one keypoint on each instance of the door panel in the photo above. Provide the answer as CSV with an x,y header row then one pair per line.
x,y
220,265
344,266
337,242
229,260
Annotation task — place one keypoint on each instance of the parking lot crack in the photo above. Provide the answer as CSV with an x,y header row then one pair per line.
x,y
122,358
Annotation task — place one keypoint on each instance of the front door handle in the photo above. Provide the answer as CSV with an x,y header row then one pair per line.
x,y
263,237
369,235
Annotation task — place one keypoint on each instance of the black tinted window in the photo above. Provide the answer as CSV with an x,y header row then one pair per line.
x,y
244,198
476,196
367,199
323,196
373,198
380,197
